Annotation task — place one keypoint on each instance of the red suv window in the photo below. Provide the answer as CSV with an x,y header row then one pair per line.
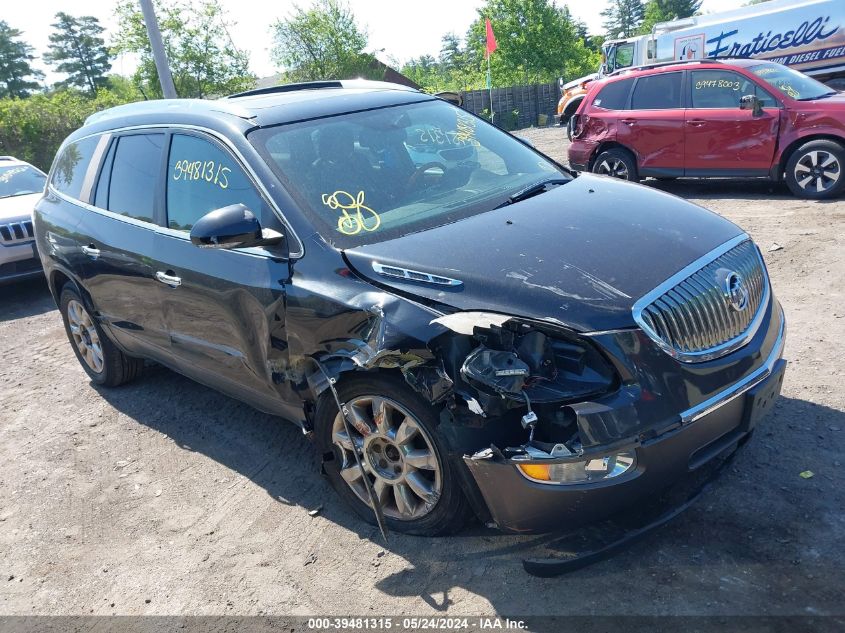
x,y
658,92
614,96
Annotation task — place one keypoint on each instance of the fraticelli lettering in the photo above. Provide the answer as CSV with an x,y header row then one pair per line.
x,y
806,33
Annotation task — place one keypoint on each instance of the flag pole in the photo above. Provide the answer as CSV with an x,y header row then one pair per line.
x,y
490,87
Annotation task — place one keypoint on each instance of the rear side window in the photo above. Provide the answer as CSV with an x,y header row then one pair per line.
x,y
658,92
135,176
614,96
202,177
72,166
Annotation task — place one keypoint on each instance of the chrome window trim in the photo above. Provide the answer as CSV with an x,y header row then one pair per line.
x,y
94,166
749,382
299,252
724,348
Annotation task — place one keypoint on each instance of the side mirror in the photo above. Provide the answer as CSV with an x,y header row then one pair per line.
x,y
753,103
234,226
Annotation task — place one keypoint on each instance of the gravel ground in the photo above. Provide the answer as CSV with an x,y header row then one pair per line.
x,y
164,497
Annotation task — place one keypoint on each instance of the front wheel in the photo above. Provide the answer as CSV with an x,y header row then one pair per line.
x,y
394,431
815,170
617,163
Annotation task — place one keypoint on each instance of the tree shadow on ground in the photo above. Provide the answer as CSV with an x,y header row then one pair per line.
x,y
23,299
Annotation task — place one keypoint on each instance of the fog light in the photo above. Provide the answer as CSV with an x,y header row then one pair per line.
x,y
597,469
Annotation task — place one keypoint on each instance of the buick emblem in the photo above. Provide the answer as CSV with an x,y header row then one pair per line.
x,y
736,291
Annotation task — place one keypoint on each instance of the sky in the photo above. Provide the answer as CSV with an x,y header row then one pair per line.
x,y
398,29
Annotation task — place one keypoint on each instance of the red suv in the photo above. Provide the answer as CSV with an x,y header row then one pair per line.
x,y
731,118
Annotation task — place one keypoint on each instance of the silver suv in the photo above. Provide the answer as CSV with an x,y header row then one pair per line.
x,y
21,185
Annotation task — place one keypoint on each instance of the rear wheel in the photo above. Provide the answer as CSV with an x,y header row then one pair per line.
x,y
617,163
404,460
815,170
102,361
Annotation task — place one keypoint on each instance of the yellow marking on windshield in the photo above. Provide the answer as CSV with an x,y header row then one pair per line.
x,y
465,132
352,223
788,89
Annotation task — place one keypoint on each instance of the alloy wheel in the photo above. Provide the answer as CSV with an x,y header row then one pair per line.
x,y
613,167
85,335
817,171
397,454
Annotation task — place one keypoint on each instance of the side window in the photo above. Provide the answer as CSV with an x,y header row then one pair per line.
x,y
658,92
72,166
624,56
724,89
135,176
614,96
202,177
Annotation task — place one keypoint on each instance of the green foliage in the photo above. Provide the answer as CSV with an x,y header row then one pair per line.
x,y
203,59
33,128
16,73
79,52
666,10
323,41
538,42
623,16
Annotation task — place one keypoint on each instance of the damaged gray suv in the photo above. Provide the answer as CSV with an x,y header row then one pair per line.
x,y
465,330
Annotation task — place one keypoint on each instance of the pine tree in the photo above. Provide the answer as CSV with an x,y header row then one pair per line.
x,y
16,73
79,51
623,17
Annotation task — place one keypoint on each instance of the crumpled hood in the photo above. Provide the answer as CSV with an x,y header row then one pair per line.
x,y
15,208
580,254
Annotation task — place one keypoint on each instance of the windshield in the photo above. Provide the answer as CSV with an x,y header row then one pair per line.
x,y
19,180
375,175
791,82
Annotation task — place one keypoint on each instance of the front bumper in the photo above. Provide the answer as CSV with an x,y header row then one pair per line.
x,y
703,432
19,261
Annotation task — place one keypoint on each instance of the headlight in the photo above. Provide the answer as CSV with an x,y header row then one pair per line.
x,y
596,469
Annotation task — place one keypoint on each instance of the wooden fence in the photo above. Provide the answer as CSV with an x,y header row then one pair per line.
x,y
528,101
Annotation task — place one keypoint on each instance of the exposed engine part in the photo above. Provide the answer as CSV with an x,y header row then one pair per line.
x,y
502,371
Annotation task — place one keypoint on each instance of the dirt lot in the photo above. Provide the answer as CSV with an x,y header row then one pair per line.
x,y
163,497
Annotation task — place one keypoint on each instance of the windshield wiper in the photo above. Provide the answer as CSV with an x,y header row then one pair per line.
x,y
821,96
533,190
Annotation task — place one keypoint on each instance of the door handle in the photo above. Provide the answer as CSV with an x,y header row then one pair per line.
x,y
696,122
170,280
629,121
92,251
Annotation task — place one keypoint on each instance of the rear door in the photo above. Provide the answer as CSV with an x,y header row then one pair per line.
x,y
117,236
224,309
653,127
721,139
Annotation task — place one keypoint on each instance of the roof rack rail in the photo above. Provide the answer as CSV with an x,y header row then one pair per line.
x,y
305,85
7,158
708,60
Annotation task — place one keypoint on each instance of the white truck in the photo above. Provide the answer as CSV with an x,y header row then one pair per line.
x,y
808,35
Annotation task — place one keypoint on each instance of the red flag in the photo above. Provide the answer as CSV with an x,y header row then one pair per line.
x,y
491,39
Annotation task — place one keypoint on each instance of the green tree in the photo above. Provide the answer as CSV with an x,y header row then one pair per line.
x,y
16,73
203,59
79,52
538,42
666,10
623,17
323,41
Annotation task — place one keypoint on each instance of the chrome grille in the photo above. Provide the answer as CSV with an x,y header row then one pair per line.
x,y
691,316
16,232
